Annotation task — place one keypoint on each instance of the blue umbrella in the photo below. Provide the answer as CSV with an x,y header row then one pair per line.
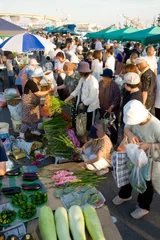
x,y
24,42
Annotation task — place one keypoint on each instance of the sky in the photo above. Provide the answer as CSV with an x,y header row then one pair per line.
x,y
103,12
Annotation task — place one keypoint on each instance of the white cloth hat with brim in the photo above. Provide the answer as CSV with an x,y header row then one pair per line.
x,y
38,72
131,78
79,48
98,46
140,60
134,113
121,48
74,59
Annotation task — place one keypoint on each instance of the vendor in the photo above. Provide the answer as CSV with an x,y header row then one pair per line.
x,y
3,159
96,153
70,83
31,101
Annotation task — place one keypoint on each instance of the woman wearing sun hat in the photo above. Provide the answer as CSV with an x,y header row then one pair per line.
x,y
87,93
96,153
31,101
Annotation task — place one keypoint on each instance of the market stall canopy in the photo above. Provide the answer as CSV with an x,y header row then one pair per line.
x,y
153,39
69,28
119,34
26,43
141,36
100,34
9,29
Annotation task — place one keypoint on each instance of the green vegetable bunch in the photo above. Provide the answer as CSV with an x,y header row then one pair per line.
x,y
19,199
27,211
7,216
39,198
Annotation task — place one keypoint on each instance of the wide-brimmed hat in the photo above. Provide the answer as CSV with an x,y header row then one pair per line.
x,y
79,48
38,72
120,48
134,113
98,46
74,59
83,67
131,78
33,62
107,73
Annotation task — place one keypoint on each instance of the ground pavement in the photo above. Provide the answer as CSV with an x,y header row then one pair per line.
x,y
147,228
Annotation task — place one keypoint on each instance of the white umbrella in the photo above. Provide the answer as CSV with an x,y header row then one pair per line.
x,y
25,42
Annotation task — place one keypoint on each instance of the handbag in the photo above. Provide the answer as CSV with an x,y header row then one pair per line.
x,y
110,129
81,124
156,169
81,119
120,172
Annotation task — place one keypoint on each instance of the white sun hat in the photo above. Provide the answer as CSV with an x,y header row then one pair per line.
x,y
134,113
74,59
33,62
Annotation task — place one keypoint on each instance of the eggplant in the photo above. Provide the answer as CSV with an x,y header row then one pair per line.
x,y
11,190
28,174
14,172
30,178
32,186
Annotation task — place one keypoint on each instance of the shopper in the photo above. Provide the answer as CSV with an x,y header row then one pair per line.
x,y
87,93
143,129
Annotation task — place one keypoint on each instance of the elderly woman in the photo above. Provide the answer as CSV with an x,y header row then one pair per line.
x,y
109,95
70,83
87,95
31,101
96,153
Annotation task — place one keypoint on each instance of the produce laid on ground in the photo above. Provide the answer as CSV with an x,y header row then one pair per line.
x,y
39,198
7,216
65,178
47,224
27,211
71,225
93,223
19,199
83,196
61,140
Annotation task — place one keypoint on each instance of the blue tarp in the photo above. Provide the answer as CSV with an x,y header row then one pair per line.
x,y
9,29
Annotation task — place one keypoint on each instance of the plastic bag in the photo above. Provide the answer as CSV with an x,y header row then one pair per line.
x,y
3,102
137,156
137,180
16,111
81,124
11,93
120,82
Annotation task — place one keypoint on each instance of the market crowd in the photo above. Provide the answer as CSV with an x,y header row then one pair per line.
x,y
109,82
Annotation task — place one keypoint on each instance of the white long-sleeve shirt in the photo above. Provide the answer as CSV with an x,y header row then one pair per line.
x,y
90,93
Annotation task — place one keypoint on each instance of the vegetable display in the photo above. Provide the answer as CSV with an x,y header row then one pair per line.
x,y
61,216
7,216
27,211
76,222
39,198
75,219
19,199
93,223
47,224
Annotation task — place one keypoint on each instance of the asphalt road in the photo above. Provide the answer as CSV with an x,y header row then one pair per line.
x,y
147,228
